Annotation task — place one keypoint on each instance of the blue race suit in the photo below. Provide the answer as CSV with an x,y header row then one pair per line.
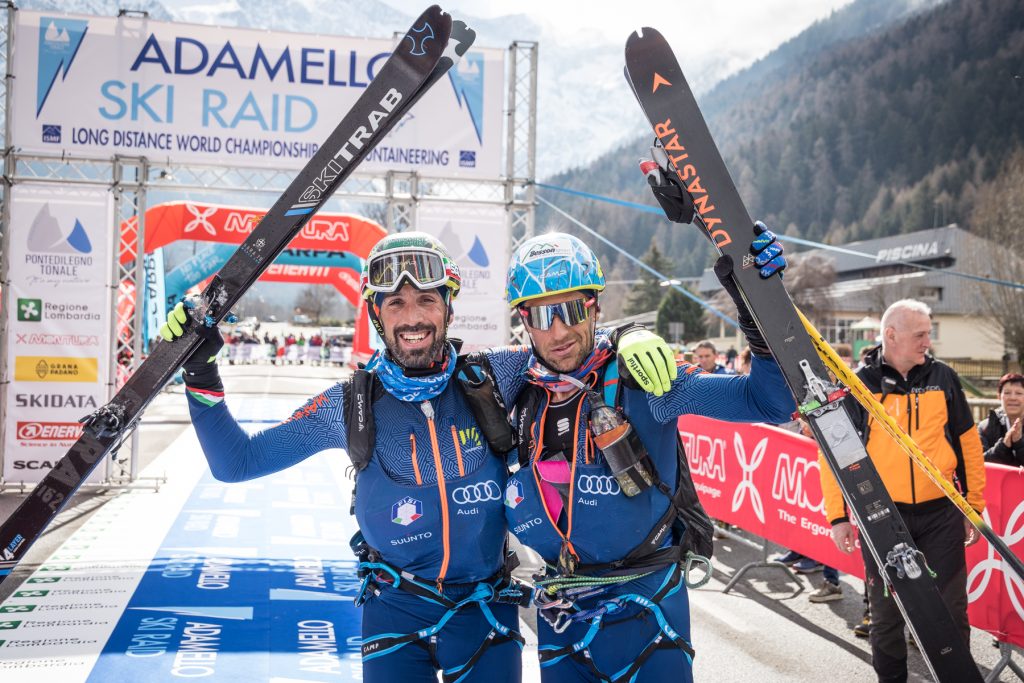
x,y
600,525
429,503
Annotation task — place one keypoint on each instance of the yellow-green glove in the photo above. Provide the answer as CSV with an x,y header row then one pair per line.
x,y
200,368
648,358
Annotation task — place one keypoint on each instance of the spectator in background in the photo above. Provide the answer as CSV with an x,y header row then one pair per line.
x,y
925,397
743,362
1001,430
706,356
845,352
730,357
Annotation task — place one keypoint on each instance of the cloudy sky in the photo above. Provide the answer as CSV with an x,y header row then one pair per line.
x,y
746,29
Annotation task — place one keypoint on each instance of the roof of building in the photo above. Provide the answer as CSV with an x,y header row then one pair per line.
x,y
872,273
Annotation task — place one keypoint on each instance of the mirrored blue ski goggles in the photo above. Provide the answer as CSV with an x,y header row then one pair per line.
x,y
542,317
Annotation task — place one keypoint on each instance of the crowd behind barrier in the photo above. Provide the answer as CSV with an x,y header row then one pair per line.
x,y
243,349
765,481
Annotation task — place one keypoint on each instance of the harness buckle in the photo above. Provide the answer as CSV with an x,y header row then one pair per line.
x,y
562,622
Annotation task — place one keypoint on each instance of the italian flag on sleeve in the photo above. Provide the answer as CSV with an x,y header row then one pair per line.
x,y
208,397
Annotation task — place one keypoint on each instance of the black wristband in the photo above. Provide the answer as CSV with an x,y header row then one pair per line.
x,y
207,377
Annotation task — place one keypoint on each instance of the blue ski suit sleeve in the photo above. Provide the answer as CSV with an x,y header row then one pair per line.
x,y
509,366
234,455
761,396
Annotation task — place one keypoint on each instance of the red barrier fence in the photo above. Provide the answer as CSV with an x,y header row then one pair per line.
x,y
766,481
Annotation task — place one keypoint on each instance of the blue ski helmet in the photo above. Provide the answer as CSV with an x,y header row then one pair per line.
x,y
551,264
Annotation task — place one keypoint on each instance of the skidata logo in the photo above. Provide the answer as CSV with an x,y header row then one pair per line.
x,y
59,40
514,494
30,310
406,511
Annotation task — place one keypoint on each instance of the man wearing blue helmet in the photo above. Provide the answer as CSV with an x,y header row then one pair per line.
x,y
436,592
602,490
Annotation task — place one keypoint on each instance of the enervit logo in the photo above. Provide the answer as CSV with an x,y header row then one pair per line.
x,y
55,369
406,511
48,431
30,310
514,493
598,485
477,493
749,467
59,40
981,573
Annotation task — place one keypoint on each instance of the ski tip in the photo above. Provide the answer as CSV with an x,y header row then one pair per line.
x,y
463,37
643,33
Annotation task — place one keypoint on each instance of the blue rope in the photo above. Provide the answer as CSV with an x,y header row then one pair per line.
x,y
789,238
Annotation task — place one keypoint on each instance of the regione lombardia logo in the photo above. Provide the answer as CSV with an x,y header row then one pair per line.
x,y
59,41
406,511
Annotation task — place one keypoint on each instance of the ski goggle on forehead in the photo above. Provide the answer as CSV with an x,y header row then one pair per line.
x,y
423,268
542,317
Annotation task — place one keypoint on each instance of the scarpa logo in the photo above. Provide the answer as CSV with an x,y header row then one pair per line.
x,y
406,511
467,79
59,40
514,494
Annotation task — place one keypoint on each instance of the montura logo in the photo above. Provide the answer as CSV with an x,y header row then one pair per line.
x,y
419,37
981,573
749,467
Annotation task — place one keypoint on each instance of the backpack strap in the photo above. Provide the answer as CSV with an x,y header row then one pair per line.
x,y
362,389
526,408
475,377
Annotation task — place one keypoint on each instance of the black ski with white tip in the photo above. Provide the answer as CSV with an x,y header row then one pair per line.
x,y
657,81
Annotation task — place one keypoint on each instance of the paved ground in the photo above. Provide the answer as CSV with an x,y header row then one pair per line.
x,y
762,630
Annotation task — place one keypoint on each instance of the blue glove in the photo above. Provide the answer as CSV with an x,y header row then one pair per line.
x,y
767,251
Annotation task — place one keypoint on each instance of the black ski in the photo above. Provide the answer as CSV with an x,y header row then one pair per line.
x,y
427,51
669,105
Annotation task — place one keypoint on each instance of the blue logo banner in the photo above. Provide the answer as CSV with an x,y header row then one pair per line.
x,y
255,581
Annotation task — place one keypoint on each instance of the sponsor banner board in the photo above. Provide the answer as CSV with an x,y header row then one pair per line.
x,y
98,86
767,481
477,238
59,334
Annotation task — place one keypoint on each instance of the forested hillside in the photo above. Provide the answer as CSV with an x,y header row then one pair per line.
x,y
891,132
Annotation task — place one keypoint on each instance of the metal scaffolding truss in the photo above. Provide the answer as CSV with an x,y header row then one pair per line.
x,y
132,179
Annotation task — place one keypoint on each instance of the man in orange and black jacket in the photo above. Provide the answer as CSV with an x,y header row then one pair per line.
x,y
925,398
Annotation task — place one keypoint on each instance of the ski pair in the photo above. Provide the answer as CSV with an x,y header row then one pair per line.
x,y
668,103
433,44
